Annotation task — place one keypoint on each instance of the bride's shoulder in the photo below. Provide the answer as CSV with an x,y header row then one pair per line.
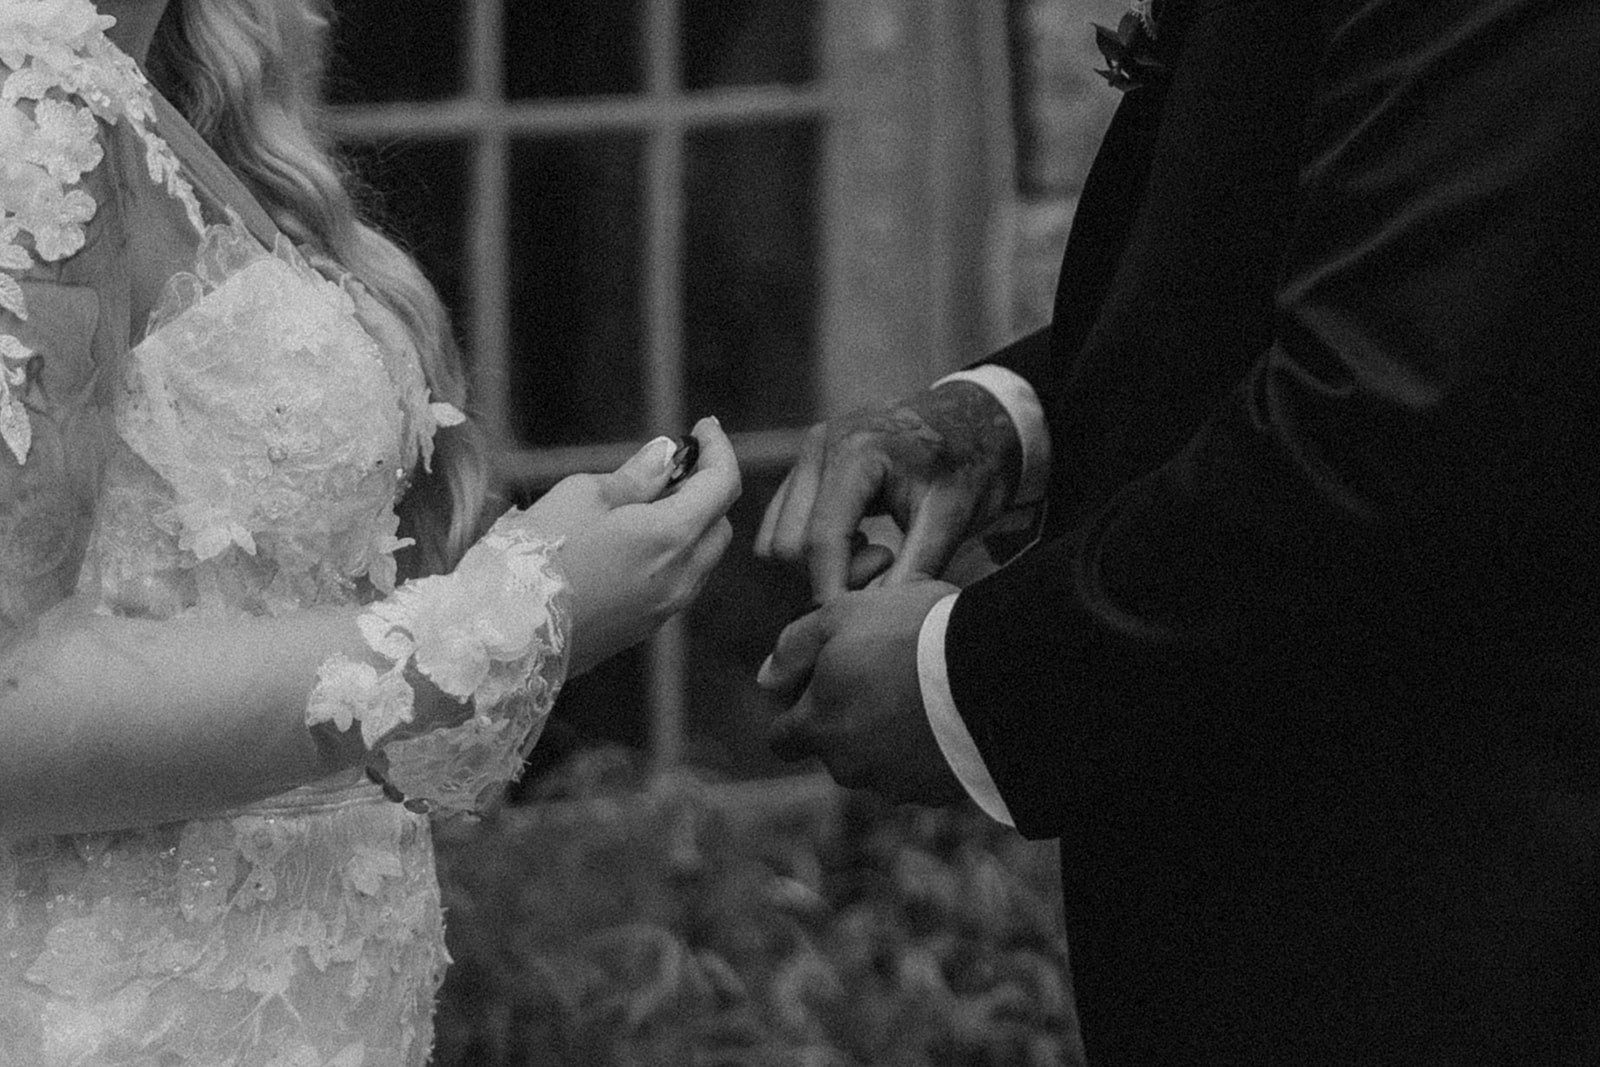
x,y
69,97
38,27
63,84
55,57
46,514
60,80
64,88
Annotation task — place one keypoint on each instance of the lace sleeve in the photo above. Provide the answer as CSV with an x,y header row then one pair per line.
x,y
493,635
47,505
61,78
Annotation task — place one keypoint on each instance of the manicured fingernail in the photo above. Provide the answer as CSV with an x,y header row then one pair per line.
x,y
659,452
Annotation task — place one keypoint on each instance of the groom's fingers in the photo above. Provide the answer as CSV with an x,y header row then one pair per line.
x,y
790,735
784,677
788,669
841,504
762,545
936,529
783,530
867,561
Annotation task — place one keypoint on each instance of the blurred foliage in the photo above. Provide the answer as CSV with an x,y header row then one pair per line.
x,y
611,924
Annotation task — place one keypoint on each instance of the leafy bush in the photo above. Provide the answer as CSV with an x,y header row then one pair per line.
x,y
786,925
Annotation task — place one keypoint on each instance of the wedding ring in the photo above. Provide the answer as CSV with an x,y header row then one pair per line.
x,y
683,460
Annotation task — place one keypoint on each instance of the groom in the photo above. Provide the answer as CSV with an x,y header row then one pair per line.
x,y
1304,670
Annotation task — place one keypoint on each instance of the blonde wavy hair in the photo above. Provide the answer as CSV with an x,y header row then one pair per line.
x,y
247,74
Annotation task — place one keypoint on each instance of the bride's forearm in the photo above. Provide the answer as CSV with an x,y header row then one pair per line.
x,y
110,722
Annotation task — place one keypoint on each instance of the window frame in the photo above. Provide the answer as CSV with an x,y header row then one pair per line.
x,y
915,203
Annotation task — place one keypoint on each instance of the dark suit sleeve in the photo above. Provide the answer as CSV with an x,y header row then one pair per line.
x,y
1029,356
1401,499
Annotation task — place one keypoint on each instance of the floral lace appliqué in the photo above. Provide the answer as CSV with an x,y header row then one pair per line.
x,y
271,433
264,424
492,633
15,429
61,64
306,934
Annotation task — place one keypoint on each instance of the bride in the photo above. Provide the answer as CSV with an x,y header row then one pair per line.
x,y
251,627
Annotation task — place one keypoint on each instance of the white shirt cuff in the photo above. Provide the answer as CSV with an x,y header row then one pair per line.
x,y
955,741
1027,415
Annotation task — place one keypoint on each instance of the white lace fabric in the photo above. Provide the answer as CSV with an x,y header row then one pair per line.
x,y
301,932
266,434
62,78
492,635
262,431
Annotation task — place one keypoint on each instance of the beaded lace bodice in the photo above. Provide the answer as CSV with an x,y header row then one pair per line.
x,y
262,430
259,440
261,434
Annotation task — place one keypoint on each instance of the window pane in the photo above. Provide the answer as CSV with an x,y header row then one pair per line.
x,y
748,42
732,627
397,50
604,708
751,284
418,195
575,290
572,47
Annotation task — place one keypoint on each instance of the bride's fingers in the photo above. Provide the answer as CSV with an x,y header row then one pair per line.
x,y
708,552
641,478
714,486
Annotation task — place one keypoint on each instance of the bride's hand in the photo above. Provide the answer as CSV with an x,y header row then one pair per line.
x,y
632,557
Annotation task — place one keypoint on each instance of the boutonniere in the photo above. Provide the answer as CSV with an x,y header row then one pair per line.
x,y
1129,50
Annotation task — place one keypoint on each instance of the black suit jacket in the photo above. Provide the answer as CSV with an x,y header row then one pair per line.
x,y
1305,673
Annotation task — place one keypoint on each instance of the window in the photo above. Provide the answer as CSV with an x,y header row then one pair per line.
x,y
642,211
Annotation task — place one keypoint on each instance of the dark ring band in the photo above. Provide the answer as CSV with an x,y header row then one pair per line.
x,y
684,459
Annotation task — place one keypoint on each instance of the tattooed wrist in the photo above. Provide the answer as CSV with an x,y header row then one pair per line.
x,y
975,432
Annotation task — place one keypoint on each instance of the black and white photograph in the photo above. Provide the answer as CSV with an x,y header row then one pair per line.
x,y
799,533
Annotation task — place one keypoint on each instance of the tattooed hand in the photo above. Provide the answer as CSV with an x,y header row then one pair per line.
x,y
943,463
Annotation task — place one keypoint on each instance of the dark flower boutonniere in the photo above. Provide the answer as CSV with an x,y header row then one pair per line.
x,y
1129,50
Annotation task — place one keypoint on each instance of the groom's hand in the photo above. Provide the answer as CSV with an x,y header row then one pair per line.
x,y
846,676
942,463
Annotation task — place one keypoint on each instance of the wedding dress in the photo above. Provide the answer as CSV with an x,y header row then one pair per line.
x,y
263,427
